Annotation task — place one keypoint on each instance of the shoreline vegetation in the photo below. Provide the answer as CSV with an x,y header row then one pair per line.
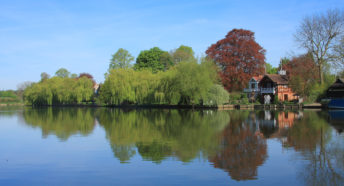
x,y
179,79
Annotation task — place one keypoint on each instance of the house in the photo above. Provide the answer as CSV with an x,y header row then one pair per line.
x,y
272,85
253,89
277,85
336,94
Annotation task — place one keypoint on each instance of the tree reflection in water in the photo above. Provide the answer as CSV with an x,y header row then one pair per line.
x,y
235,141
62,122
242,150
159,134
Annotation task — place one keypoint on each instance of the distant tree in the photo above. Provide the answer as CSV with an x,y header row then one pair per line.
x,y
62,72
167,60
87,75
150,59
44,76
121,59
318,34
183,53
22,86
339,53
74,75
302,73
269,69
239,58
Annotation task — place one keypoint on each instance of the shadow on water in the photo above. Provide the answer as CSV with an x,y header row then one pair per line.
x,y
234,141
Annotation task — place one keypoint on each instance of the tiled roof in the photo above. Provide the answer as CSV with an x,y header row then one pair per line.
x,y
258,78
278,79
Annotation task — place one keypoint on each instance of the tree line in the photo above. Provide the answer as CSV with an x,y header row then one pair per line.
x,y
157,77
178,77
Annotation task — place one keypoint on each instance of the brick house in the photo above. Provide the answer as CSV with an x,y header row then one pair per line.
x,y
273,85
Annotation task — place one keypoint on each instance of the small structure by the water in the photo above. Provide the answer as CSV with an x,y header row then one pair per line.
x,y
336,94
336,90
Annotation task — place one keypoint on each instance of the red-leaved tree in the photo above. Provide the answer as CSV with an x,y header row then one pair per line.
x,y
87,75
239,57
302,72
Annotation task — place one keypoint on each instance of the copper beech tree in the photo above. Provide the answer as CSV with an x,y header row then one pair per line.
x,y
239,57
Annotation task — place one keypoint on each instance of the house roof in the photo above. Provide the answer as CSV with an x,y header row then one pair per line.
x,y
278,79
338,84
257,78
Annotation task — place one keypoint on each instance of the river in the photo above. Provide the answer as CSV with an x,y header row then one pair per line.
x,y
104,146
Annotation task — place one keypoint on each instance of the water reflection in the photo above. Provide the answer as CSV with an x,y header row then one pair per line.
x,y
242,148
158,134
62,122
234,141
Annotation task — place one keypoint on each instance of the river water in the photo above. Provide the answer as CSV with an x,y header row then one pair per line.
x,y
104,146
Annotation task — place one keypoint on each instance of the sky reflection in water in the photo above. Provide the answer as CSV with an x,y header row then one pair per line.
x,y
109,146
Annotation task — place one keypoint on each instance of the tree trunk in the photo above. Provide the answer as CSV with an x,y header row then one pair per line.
x,y
321,74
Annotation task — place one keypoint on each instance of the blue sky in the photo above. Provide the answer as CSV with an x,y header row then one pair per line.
x,y
43,36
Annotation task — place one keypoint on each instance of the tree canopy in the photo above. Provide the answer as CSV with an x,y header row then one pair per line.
x,y
121,59
153,59
319,35
239,58
183,53
62,72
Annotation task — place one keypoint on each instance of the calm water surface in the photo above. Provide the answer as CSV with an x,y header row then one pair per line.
x,y
85,146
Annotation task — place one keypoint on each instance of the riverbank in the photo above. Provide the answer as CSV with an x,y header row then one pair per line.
x,y
213,107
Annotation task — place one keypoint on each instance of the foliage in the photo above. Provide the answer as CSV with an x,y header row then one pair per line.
x,y
183,53
121,59
9,97
8,94
217,95
239,58
129,86
44,76
318,34
302,73
269,69
58,90
152,59
87,75
193,81
186,83
62,72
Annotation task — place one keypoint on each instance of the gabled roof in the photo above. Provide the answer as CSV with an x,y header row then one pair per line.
x,y
278,79
258,78
338,84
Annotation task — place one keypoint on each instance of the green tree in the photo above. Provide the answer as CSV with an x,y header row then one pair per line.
x,y
150,59
74,75
62,72
269,69
193,80
44,76
183,53
121,59
167,60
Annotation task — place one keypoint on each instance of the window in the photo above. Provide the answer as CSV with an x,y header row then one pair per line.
x,y
285,97
253,86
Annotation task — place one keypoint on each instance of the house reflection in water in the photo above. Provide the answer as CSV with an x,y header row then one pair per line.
x,y
272,124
